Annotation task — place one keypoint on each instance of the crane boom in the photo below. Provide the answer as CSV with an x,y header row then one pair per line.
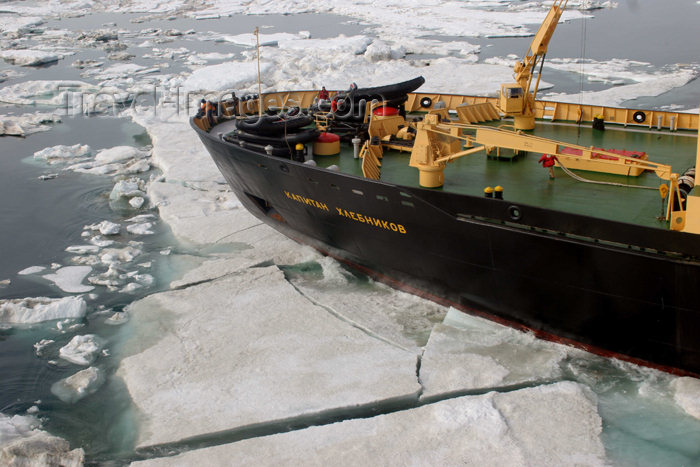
x,y
516,99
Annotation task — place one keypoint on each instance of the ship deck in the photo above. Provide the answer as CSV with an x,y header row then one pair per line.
x,y
525,181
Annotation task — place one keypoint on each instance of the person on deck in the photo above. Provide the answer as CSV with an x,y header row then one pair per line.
x,y
548,161
210,109
323,95
202,108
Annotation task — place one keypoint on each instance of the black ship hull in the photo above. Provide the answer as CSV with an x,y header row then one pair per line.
x,y
612,288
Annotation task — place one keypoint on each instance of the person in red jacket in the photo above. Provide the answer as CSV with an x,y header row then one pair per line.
x,y
323,95
548,161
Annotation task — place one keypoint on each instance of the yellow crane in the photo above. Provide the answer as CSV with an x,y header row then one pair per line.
x,y
516,99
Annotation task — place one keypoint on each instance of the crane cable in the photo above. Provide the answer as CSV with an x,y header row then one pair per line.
x,y
599,182
582,58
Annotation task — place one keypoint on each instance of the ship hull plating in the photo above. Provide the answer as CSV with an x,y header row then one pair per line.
x,y
612,288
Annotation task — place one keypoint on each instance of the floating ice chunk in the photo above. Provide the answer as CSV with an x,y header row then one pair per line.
x,y
55,93
687,395
120,56
47,176
82,250
355,45
82,350
28,57
131,287
136,202
213,56
78,386
33,409
31,270
61,153
140,229
70,278
41,345
141,218
109,228
119,154
22,442
123,255
380,50
109,278
143,279
35,310
117,318
101,242
127,189
249,40
478,354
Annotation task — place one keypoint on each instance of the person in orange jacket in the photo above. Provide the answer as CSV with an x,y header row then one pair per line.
x,y
210,109
548,161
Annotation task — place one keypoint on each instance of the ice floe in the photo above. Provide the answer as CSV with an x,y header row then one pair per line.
x,y
82,249
119,160
61,153
82,350
70,278
320,362
548,425
119,255
78,386
143,228
31,270
41,345
22,442
654,85
28,57
225,76
199,216
473,353
35,310
26,124
124,190
105,227
687,395
53,93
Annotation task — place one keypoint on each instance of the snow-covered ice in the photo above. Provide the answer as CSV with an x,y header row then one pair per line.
x,y
27,124
24,443
79,385
228,76
52,93
70,278
547,425
35,310
687,395
226,355
82,349
31,270
143,228
470,353
62,153
28,57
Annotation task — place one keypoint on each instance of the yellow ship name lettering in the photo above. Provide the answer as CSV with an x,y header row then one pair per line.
x,y
307,201
373,221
